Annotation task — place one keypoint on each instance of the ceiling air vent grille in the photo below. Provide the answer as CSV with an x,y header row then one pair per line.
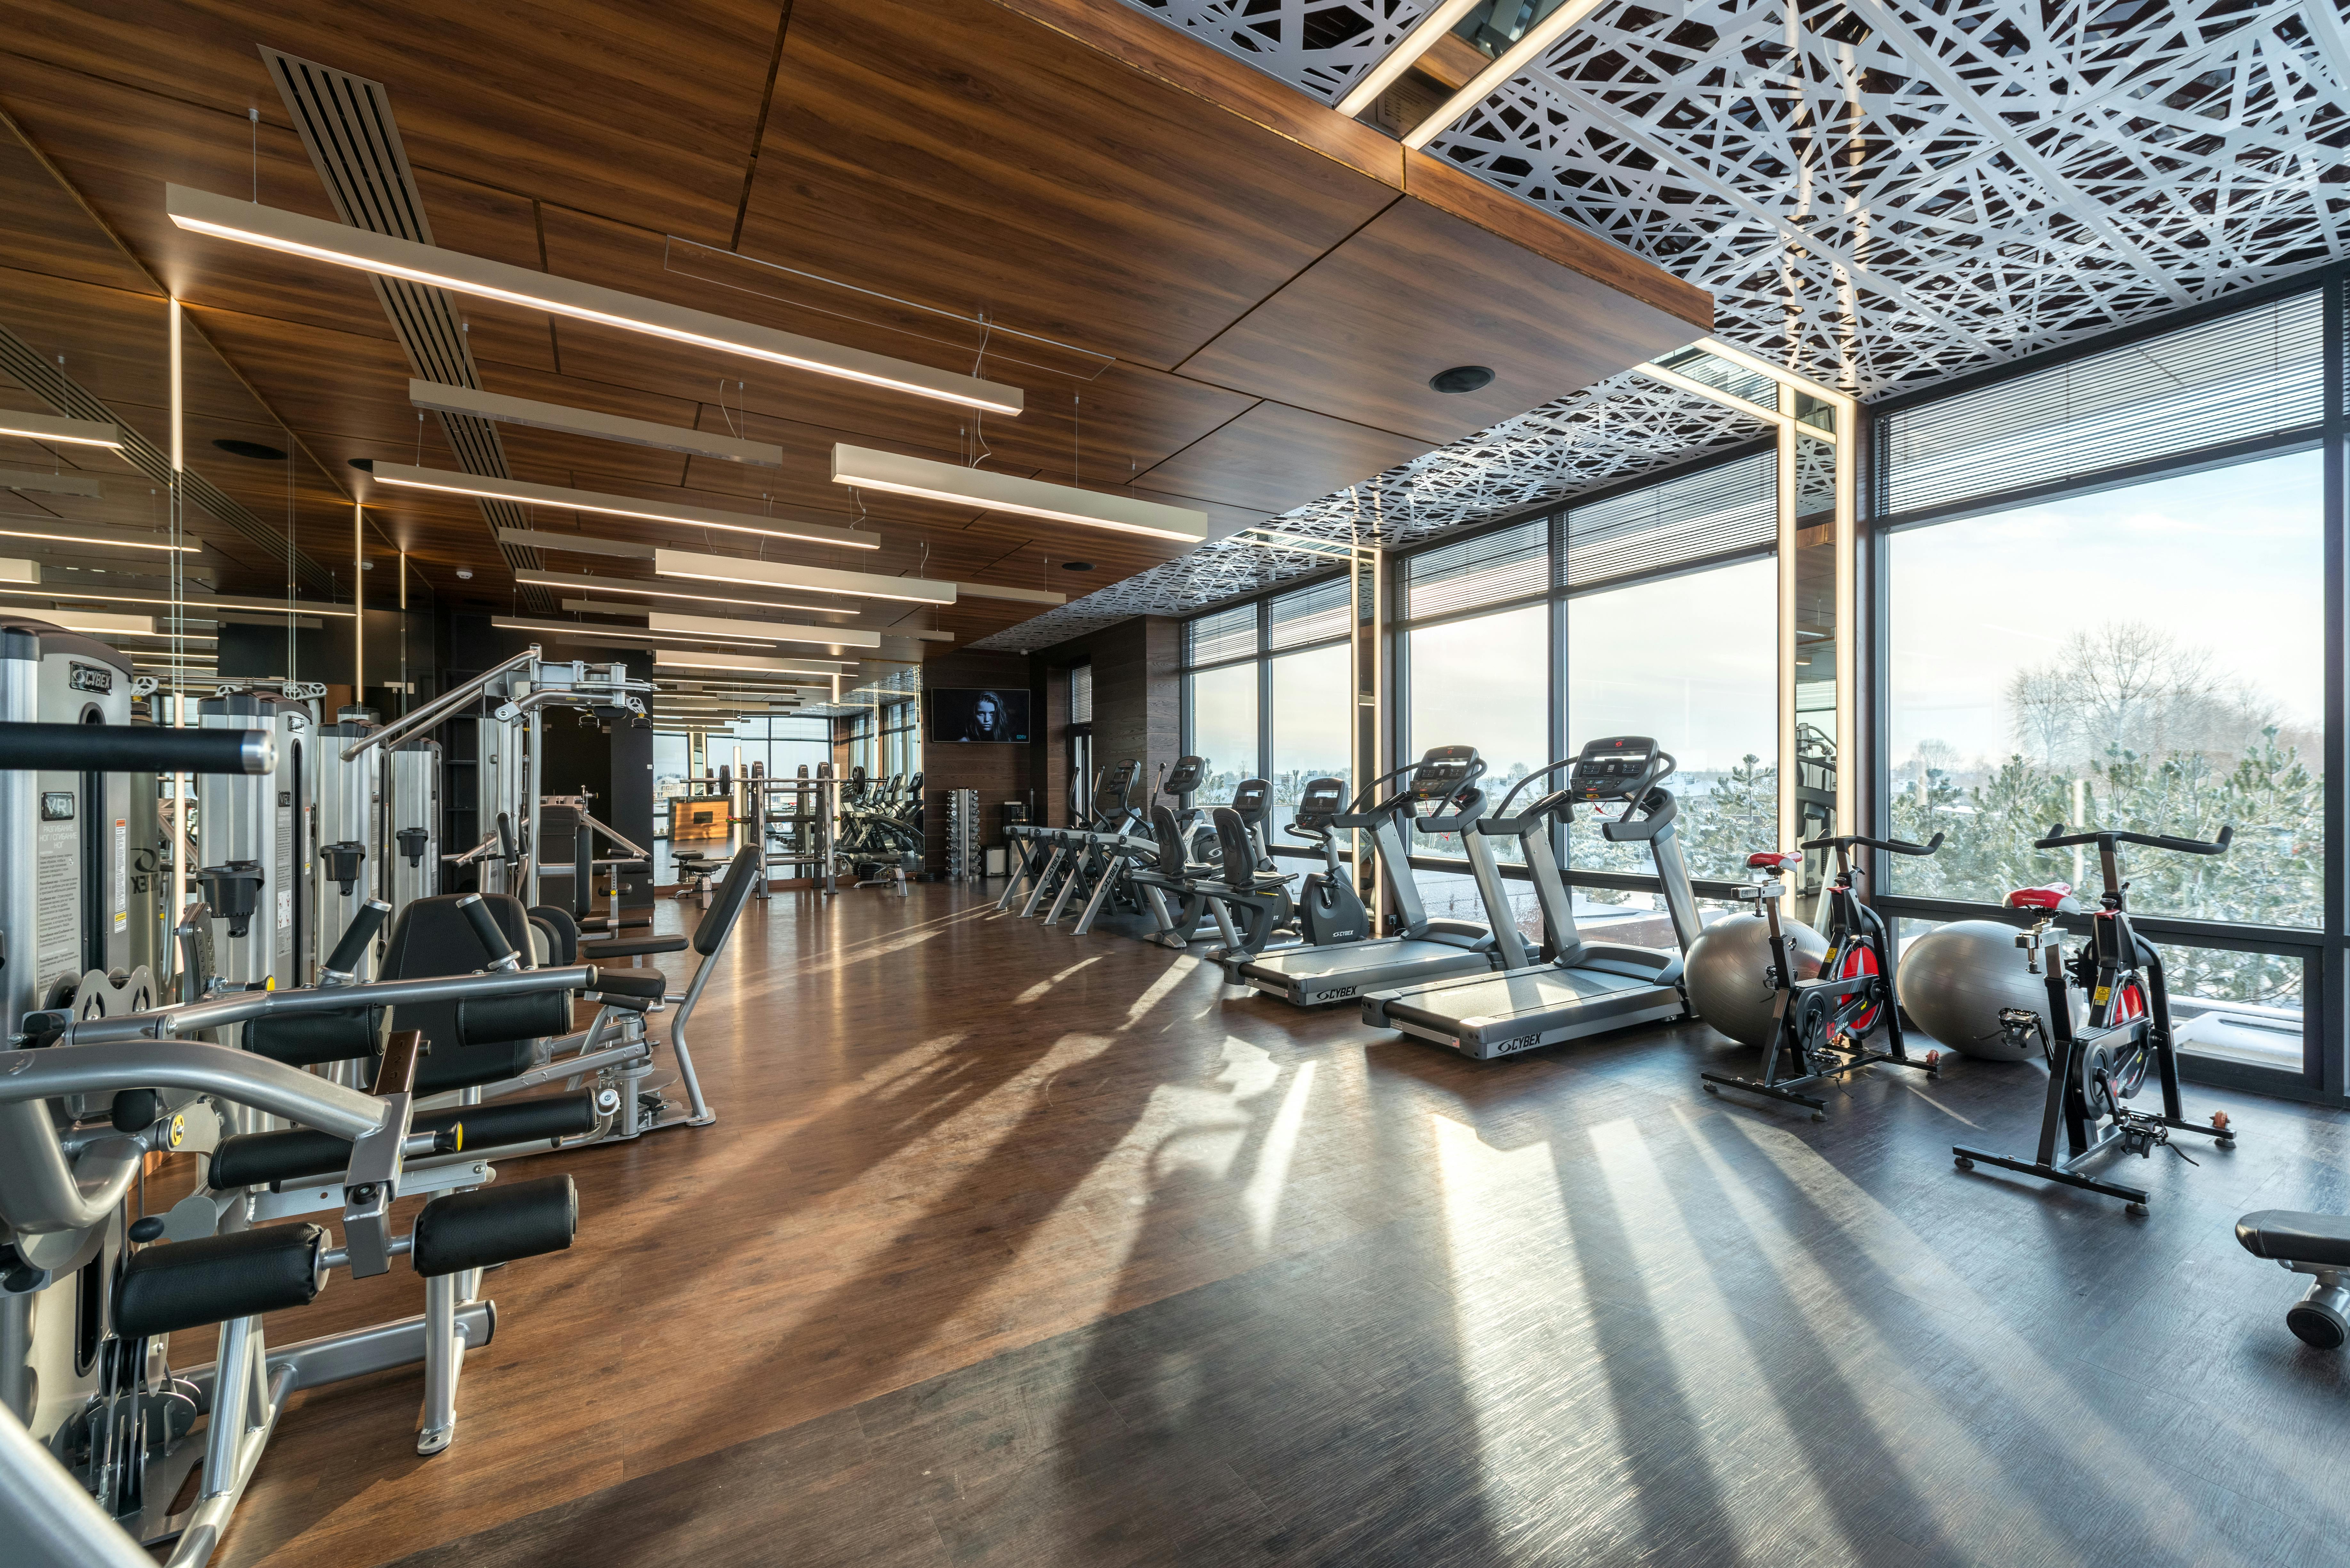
x,y
346,124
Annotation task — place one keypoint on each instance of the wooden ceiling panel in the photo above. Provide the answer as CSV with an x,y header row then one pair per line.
x,y
1129,419
1415,291
1275,457
1012,174
121,147
598,103
44,230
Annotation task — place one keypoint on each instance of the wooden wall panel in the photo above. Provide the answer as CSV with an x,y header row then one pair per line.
x,y
999,772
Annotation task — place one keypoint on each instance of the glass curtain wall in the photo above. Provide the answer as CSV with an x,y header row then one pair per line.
x,y
2106,602
1266,694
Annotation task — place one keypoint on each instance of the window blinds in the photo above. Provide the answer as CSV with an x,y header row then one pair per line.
x,y
1081,694
1490,569
1310,614
2254,373
1729,509
1226,634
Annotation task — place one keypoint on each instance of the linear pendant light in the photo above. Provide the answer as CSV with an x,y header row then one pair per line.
x,y
404,477
64,431
447,400
1425,35
678,658
339,244
98,542
777,575
606,632
637,587
1512,61
70,482
765,631
919,476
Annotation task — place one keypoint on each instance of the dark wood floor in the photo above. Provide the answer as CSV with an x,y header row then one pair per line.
x,y
1011,1247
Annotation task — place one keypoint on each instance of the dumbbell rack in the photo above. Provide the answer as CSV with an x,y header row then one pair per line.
x,y
966,854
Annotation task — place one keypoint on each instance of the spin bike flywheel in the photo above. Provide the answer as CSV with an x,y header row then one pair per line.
x,y
2111,1073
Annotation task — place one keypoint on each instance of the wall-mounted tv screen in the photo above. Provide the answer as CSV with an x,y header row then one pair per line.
x,y
962,716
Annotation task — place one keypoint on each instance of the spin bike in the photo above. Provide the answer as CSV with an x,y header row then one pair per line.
x,y
2092,1072
1818,1026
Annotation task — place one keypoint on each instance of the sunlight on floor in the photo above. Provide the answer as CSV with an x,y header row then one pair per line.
x,y
1037,992
1261,1197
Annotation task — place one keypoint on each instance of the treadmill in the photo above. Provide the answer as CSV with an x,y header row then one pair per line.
x,y
1586,987
1441,797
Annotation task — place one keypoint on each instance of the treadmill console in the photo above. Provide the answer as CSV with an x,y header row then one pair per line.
x,y
1621,767
1440,772
1323,799
1185,776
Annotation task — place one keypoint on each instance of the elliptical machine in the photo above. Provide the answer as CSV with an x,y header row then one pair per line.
x,y
2092,1072
1818,1026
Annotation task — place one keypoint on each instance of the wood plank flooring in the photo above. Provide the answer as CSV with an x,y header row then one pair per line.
x,y
1011,1247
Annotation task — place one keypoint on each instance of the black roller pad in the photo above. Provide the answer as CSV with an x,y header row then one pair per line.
x,y
650,984
191,1284
495,1020
495,1225
642,947
451,1066
312,1039
299,1153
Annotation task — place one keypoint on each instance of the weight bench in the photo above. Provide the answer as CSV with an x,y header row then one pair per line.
x,y
2313,1244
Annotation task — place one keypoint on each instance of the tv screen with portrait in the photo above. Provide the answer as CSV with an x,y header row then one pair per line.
x,y
967,715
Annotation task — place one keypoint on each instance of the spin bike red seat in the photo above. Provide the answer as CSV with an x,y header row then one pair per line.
x,y
2056,897
1772,861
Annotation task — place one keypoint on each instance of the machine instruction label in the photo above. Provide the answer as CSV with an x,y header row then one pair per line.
x,y
121,875
58,906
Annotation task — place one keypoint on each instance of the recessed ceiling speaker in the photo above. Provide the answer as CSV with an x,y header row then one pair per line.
x,y
1463,378
252,449
364,464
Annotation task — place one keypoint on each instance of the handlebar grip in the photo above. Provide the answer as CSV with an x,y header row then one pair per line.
x,y
345,959
485,927
505,835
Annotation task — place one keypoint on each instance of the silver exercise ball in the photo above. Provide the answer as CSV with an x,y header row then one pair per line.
x,y
1954,979
1728,972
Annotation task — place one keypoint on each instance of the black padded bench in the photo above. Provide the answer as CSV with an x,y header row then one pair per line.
x,y
299,1153
2313,1244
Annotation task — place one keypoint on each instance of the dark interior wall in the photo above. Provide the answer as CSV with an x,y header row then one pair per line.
x,y
1138,703
999,772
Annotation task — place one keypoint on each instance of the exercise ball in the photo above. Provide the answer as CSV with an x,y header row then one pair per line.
x,y
1729,973
1954,979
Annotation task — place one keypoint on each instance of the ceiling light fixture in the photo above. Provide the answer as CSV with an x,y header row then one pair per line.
x,y
444,482
97,625
636,587
63,431
1017,596
776,575
339,244
1426,36
587,422
607,631
69,482
985,488
1512,61
1461,379
765,631
203,609
98,543
675,659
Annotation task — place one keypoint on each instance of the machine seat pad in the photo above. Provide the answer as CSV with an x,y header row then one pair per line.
x,y
462,1066
191,1284
596,952
495,1225
2055,896
2289,1236
301,1154
624,983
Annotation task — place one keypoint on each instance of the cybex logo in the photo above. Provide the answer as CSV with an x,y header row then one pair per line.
x,y
90,678
1339,994
1522,1043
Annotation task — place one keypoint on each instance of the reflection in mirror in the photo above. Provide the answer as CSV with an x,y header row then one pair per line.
x,y
1817,742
